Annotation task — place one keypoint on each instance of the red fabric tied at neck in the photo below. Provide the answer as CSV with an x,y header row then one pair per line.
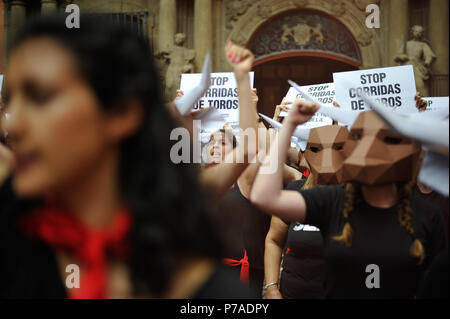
x,y
90,247
245,267
306,173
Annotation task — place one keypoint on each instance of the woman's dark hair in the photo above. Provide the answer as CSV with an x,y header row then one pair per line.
x,y
165,199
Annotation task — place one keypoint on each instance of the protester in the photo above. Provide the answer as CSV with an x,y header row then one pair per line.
x,y
93,185
372,223
302,275
424,191
247,237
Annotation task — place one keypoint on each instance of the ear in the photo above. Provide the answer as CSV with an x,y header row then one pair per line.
x,y
125,122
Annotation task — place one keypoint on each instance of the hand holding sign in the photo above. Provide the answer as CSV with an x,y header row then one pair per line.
x,y
281,107
179,95
343,116
420,103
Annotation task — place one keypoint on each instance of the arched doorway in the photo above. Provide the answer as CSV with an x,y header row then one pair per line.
x,y
306,46
271,77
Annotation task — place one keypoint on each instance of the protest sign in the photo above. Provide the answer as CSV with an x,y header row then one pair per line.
x,y
392,86
222,95
437,106
324,93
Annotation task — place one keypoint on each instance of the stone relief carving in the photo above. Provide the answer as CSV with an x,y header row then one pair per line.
x,y
338,7
365,38
180,61
299,3
418,53
263,11
239,38
236,9
302,33
362,4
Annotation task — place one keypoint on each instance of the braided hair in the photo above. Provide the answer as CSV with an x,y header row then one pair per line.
x,y
353,197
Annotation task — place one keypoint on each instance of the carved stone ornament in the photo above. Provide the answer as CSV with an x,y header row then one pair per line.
x,y
304,31
264,11
236,9
338,7
365,38
239,38
299,3
362,4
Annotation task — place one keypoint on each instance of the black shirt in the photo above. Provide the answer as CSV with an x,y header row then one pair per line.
x,y
229,219
440,200
250,227
303,263
224,283
378,239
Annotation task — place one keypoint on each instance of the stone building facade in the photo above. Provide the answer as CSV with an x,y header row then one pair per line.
x,y
305,40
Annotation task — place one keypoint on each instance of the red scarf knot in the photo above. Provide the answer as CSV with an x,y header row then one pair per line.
x,y
90,247
245,267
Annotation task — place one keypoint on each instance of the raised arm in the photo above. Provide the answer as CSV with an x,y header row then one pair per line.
x,y
219,178
267,192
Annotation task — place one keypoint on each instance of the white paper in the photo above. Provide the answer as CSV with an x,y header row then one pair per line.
x,y
434,172
221,94
392,86
324,94
300,136
437,107
419,126
343,116
186,103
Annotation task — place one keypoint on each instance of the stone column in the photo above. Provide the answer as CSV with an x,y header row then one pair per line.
x,y
438,33
17,17
167,23
48,6
398,27
202,31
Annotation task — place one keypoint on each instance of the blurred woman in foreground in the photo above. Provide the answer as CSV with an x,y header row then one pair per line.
x,y
93,185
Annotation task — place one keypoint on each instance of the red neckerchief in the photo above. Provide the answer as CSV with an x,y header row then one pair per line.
x,y
63,232
245,267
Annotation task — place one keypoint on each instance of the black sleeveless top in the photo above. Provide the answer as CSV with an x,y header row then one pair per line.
x,y
250,223
303,262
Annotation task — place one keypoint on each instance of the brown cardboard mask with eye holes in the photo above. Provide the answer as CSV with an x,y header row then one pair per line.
x,y
325,153
376,155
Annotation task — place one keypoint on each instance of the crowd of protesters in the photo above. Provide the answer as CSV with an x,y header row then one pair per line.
x,y
87,179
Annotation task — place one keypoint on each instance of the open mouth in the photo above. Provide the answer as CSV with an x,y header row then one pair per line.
x,y
23,161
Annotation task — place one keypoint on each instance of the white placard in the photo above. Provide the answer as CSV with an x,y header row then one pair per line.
x,y
324,94
222,95
392,86
437,106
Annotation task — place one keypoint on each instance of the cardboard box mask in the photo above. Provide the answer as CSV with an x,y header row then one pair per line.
x,y
324,153
375,155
